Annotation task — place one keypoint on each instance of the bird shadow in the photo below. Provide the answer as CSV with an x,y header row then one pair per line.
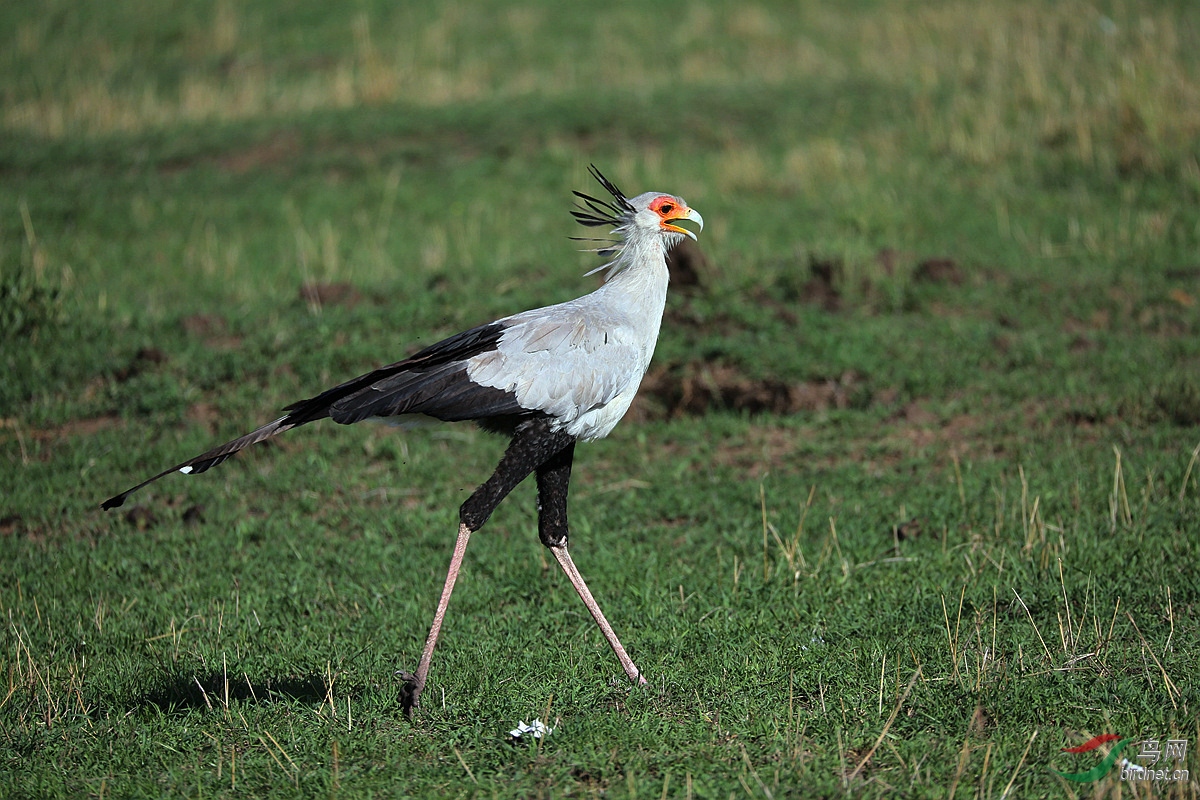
x,y
219,690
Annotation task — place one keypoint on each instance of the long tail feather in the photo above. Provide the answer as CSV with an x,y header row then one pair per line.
x,y
209,459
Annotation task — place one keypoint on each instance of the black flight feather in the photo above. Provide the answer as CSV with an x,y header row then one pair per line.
x,y
433,382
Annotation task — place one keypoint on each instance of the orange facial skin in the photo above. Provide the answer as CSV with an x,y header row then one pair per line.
x,y
668,209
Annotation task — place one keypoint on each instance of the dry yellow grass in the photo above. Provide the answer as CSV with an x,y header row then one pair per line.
x,y
1121,86
1115,87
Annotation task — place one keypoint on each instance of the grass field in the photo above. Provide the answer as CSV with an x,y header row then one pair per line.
x,y
910,501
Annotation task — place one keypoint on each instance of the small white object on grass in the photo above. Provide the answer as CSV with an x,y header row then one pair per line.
x,y
537,729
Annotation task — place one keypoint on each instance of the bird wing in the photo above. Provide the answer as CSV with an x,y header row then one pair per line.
x,y
433,382
563,360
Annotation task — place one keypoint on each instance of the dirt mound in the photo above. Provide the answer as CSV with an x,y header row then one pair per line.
x,y
697,387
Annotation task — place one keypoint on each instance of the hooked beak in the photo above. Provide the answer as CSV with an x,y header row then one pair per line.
x,y
691,214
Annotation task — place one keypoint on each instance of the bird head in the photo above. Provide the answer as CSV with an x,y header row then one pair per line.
x,y
656,212
648,214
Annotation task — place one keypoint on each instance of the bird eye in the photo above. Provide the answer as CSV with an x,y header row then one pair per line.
x,y
666,208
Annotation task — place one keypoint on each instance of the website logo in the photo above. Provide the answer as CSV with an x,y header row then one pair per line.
x,y
1151,750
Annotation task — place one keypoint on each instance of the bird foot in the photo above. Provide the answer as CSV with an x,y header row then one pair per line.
x,y
639,680
410,691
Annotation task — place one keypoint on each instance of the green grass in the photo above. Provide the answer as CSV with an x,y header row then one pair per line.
x,y
962,537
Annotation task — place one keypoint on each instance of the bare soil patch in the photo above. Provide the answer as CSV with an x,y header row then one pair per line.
x,y
212,330
282,147
698,387
689,267
89,426
330,294
145,357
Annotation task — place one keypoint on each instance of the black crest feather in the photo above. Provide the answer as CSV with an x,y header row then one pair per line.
x,y
595,212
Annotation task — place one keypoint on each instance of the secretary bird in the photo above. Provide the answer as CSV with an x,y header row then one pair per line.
x,y
548,378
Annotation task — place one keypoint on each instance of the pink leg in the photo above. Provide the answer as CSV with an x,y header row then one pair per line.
x,y
415,684
564,560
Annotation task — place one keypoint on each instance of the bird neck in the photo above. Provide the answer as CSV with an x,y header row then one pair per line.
x,y
640,268
637,285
